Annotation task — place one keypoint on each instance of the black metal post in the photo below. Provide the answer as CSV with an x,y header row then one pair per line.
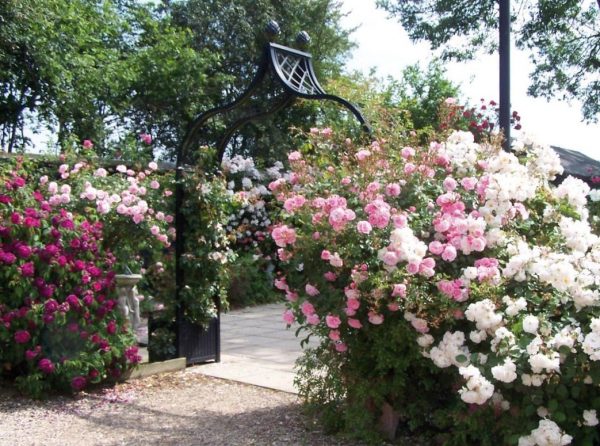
x,y
504,31
179,249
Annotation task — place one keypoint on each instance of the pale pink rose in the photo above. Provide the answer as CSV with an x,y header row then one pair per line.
x,y
169,219
407,152
336,261
340,347
138,218
307,308
63,168
363,154
325,255
409,168
294,156
375,318
103,207
400,221
449,253
152,165
100,172
313,319
412,268
390,258
155,230
332,321
436,247
393,306
420,325
393,189
373,187
168,193
399,290
349,312
330,276
334,335
291,296
154,184
345,181
478,244
364,227
316,235
449,184
281,284
283,236
288,317
354,323
314,131
122,209
160,216
284,255
311,290
121,168
43,180
468,183
353,303
450,101
327,132
352,293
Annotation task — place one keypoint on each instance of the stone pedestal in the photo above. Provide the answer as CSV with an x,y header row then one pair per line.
x,y
128,302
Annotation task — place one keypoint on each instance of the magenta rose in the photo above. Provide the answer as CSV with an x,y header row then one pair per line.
x,y
46,366
22,337
28,269
78,383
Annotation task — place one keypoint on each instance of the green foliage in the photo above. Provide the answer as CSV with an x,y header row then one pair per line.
x,y
562,36
251,281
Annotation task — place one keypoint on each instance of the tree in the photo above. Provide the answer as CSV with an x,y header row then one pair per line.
x,y
234,29
562,35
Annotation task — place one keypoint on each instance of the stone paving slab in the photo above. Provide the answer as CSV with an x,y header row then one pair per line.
x,y
256,348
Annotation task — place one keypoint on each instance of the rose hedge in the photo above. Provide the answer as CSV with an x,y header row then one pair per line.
x,y
59,325
452,288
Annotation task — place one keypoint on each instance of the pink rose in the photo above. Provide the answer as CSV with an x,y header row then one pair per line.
x,y
22,337
288,317
87,144
78,383
146,138
325,255
420,325
313,319
332,321
340,347
307,308
364,227
399,290
46,366
392,189
375,318
311,290
354,323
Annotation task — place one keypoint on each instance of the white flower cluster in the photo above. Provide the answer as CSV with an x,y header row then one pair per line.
x,y
574,191
513,307
445,353
542,161
591,342
477,389
595,195
462,151
406,246
548,433
578,234
483,313
239,164
506,372
507,182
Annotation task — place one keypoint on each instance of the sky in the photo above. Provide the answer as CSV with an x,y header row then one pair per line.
x,y
385,46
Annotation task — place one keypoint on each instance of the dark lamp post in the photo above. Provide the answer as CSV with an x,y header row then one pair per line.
x,y
504,50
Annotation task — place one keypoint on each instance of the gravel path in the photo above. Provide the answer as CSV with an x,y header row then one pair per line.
x,y
182,408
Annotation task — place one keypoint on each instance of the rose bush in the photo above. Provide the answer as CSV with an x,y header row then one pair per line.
x,y
452,288
59,325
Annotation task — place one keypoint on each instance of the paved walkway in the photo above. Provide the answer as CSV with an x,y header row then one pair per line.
x,y
256,348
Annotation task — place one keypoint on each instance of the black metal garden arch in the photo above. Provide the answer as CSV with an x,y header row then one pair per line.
x,y
293,70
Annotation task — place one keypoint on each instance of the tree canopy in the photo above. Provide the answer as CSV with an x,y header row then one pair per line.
x,y
563,37
109,70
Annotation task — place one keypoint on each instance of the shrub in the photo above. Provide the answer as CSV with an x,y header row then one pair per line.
x,y
453,290
60,327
